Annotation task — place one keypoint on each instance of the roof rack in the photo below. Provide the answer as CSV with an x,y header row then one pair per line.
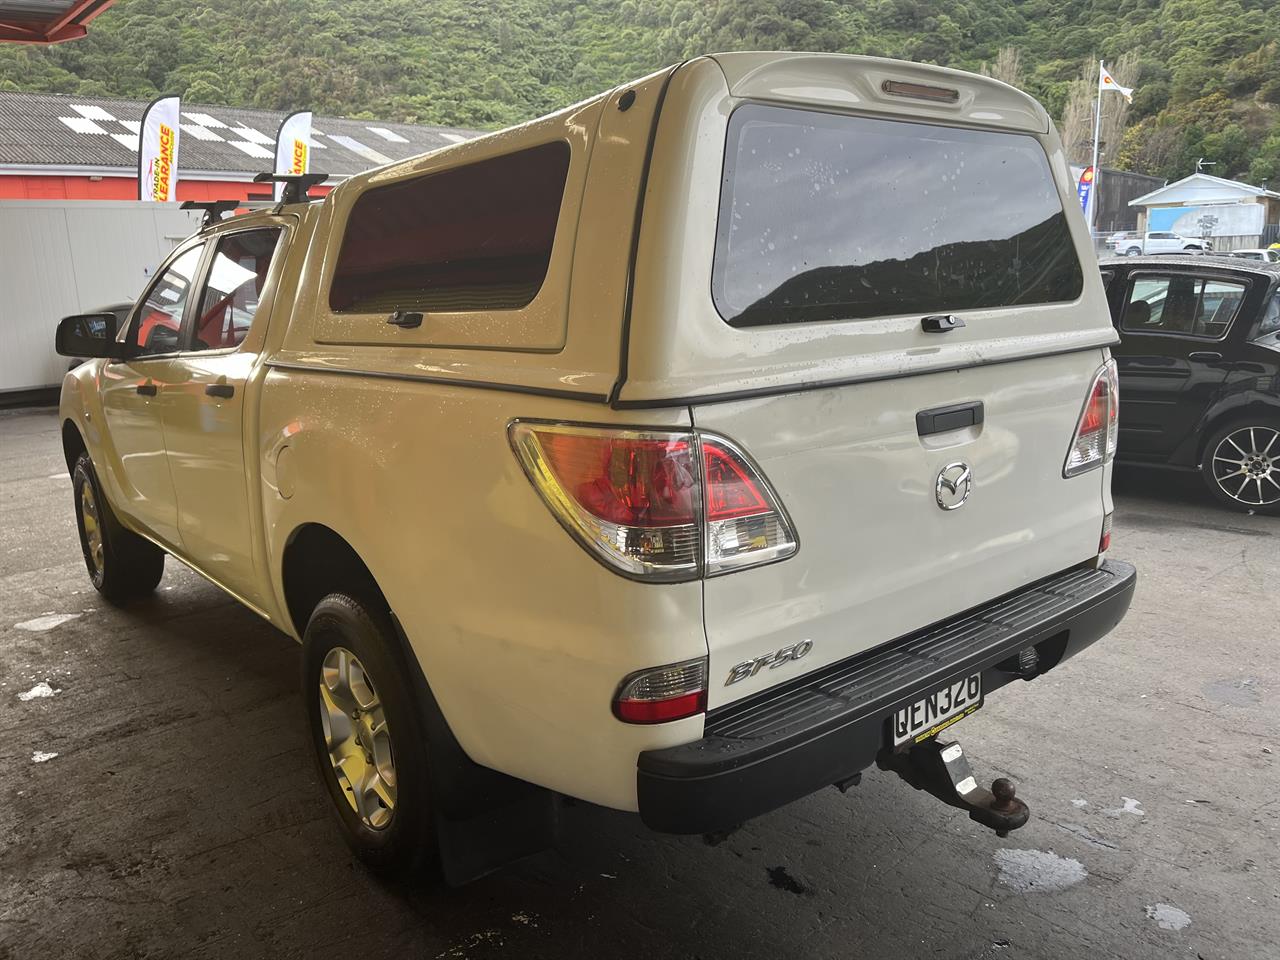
x,y
214,210
296,185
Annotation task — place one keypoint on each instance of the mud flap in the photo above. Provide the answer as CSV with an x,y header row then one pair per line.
x,y
484,819
941,769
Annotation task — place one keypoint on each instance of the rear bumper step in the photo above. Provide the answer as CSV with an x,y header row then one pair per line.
x,y
768,750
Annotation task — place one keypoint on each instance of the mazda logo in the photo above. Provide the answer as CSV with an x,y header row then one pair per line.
x,y
954,484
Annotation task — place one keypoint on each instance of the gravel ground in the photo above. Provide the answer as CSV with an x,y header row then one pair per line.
x,y
157,798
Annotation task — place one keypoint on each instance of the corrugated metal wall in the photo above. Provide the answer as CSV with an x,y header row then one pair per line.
x,y
61,257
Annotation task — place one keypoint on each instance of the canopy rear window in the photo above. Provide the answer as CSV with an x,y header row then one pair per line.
x,y
828,217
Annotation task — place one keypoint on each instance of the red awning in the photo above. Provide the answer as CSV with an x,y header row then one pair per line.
x,y
47,21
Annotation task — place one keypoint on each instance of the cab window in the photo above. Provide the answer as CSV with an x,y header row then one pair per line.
x,y
1187,306
1271,316
158,324
237,275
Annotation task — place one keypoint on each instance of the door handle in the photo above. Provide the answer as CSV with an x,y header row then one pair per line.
x,y
147,389
405,319
1204,356
223,390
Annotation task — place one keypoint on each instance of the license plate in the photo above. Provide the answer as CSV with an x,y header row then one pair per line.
x,y
928,717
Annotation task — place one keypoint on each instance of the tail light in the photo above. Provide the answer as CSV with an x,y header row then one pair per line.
x,y
1104,541
1096,433
655,505
659,694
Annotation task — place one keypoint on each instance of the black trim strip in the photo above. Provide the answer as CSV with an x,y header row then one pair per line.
x,y
783,388
443,381
635,240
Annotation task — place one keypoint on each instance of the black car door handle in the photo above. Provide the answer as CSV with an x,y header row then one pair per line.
x,y
223,390
1204,356
147,389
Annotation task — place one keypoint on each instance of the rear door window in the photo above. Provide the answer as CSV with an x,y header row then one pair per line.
x,y
475,237
828,217
1187,306
237,275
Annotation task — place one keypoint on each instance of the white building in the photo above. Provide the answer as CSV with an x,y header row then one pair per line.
x,y
1232,213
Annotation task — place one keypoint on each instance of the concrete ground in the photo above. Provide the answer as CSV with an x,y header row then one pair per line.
x,y
180,815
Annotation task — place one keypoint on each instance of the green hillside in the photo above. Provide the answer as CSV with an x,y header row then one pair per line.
x,y
1207,71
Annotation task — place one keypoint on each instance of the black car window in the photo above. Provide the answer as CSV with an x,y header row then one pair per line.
x,y
830,217
233,286
1187,306
1271,316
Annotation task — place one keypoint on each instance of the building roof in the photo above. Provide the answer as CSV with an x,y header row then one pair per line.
x,y
1201,188
47,21
99,135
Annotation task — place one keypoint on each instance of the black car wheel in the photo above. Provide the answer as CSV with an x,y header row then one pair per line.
x,y
1242,466
1133,252
370,746
122,565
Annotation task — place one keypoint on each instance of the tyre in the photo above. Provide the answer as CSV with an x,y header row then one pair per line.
x,y
122,565
367,733
1133,252
1242,465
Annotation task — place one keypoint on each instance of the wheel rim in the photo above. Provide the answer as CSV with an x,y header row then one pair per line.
x,y
92,527
1246,466
357,738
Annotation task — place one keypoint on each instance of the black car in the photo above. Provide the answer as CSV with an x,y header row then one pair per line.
x,y
1199,363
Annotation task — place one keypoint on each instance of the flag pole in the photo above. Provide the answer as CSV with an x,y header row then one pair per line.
x,y
1097,133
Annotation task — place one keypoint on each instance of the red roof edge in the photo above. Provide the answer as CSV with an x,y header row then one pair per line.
x,y
70,25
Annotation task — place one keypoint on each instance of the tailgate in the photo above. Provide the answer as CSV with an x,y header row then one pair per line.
x,y
879,557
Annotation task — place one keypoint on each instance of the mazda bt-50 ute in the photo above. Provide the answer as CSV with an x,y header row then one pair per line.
x,y
685,452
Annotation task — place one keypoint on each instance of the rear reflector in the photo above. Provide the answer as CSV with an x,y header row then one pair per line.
x,y
660,694
655,505
1097,430
1104,542
920,91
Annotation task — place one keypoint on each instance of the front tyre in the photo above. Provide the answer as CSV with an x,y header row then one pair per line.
x,y
1133,251
122,565
1242,466
369,743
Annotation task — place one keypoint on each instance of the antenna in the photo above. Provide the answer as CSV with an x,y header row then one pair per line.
x,y
213,210
296,185
1202,162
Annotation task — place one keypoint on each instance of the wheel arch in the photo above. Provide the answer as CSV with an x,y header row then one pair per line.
x,y
317,560
72,443
1215,420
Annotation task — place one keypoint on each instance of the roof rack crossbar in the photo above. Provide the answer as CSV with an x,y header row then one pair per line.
x,y
214,210
296,185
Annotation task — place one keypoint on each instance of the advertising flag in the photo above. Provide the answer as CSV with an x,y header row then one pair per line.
x,y
293,146
1084,188
1107,82
158,151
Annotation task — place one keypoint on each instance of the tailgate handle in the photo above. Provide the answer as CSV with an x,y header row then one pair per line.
x,y
941,323
954,417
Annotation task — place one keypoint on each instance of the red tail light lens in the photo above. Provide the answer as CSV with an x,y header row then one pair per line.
x,y
1104,542
632,481
1096,433
655,505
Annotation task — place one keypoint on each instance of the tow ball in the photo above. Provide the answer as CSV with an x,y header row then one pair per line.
x,y
942,770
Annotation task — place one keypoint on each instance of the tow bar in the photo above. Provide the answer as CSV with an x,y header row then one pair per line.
x,y
942,770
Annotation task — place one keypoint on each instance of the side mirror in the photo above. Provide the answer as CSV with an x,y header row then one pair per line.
x,y
87,335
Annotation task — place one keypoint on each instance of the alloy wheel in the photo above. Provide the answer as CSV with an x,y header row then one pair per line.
x,y
1246,466
357,738
92,527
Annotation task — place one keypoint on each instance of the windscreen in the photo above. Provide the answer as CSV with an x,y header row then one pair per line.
x,y
828,217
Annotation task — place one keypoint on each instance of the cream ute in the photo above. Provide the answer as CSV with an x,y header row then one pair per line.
x,y
685,451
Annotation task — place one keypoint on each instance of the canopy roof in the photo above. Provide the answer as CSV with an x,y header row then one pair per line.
x,y
47,21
